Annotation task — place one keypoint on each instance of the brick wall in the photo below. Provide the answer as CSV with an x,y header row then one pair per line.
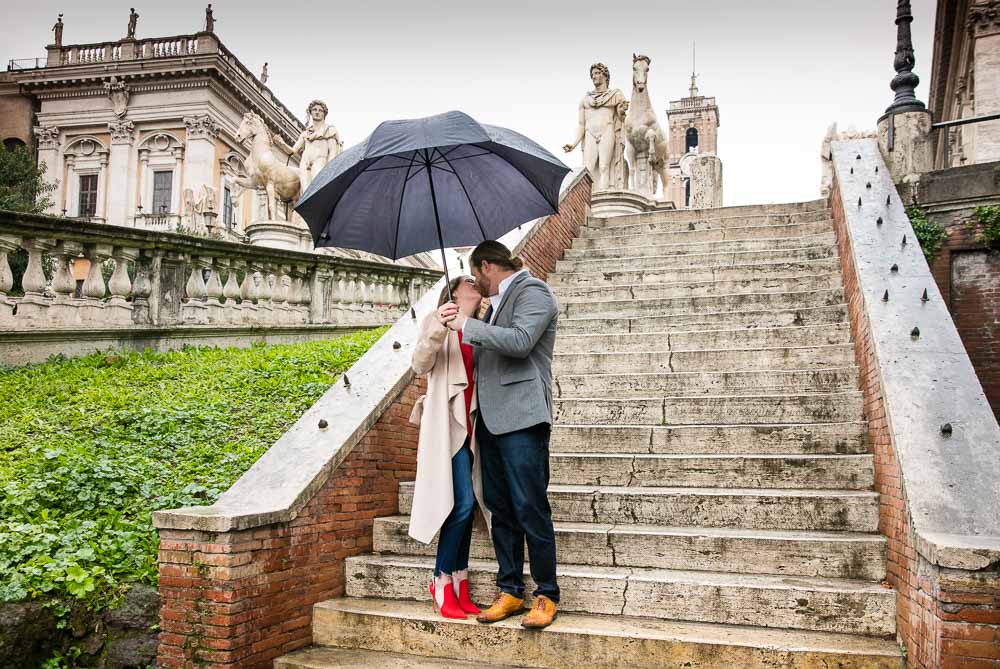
x,y
946,618
969,279
240,599
545,246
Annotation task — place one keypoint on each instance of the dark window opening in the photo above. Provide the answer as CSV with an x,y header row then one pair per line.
x,y
13,143
687,192
691,140
162,183
88,195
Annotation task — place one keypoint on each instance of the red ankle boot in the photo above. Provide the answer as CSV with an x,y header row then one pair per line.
x,y
460,581
443,595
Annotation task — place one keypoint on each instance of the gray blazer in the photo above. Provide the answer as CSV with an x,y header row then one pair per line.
x,y
513,356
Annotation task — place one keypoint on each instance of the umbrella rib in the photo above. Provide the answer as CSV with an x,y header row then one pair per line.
x,y
399,213
555,208
462,184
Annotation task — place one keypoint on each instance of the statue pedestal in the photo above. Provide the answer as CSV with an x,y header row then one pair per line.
x,y
281,235
619,203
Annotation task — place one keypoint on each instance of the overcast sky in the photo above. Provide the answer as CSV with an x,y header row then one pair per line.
x,y
781,70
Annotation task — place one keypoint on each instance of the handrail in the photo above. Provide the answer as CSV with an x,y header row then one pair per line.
x,y
946,125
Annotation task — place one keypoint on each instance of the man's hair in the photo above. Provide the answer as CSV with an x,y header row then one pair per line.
x,y
320,104
495,253
603,69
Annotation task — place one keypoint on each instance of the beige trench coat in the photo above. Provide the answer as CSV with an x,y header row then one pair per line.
x,y
443,427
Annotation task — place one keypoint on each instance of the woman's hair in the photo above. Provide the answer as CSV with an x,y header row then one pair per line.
x,y
495,253
454,286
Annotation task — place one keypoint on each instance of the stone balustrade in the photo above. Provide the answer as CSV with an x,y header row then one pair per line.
x,y
181,280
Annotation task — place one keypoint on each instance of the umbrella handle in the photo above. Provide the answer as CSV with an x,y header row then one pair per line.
x,y
437,221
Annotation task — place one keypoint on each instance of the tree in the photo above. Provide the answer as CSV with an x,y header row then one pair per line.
x,y
22,183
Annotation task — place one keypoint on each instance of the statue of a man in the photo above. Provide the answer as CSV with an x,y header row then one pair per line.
x,y
263,74
209,19
133,19
318,144
601,129
58,29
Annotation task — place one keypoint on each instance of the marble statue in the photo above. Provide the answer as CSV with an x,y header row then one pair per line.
x,y
199,209
318,144
263,74
266,168
209,19
601,129
647,143
118,93
133,19
58,30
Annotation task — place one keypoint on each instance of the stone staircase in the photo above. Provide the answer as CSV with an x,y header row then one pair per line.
x,y
711,483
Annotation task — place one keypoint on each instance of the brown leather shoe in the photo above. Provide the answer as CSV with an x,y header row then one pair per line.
x,y
504,606
542,613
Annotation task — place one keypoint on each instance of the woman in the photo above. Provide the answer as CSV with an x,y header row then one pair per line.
x,y
448,484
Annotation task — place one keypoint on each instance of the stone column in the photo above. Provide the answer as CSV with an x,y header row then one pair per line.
x,y
199,154
195,310
984,28
910,151
142,288
118,308
8,244
64,310
264,303
230,291
706,181
33,308
122,136
92,306
249,292
49,153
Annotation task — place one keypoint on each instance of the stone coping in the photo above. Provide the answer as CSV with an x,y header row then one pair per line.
x,y
283,480
951,484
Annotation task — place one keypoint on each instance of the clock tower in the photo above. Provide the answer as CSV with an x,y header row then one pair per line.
x,y
693,123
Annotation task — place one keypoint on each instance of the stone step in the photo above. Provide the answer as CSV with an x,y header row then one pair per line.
x,y
836,333
799,602
836,313
576,640
693,274
702,304
789,553
831,472
701,260
701,248
712,410
691,233
748,508
325,657
764,382
717,360
658,223
777,284
775,211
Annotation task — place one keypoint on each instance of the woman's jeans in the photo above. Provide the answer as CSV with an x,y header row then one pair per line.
x,y
456,532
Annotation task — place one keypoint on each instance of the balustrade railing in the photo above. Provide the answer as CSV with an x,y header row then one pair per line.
x,y
181,280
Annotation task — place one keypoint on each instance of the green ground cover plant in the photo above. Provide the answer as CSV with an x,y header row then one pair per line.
x,y
91,446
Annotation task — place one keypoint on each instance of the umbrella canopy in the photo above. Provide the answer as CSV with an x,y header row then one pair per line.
x,y
419,184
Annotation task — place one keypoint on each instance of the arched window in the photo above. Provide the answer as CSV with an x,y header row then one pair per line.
x,y
691,140
12,143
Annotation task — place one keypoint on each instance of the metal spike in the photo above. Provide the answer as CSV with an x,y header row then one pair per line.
x,y
885,296
915,332
894,268
888,200
904,240
396,346
691,226
461,265
413,313
859,203
323,424
924,298
879,221
347,381
946,429
852,170
876,169
859,157
868,185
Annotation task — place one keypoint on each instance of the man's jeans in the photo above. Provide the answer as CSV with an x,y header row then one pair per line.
x,y
515,468
456,532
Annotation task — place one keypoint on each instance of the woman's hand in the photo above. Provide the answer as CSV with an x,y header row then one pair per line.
x,y
446,313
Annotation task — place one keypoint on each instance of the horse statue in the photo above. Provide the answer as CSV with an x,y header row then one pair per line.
x,y
266,168
645,138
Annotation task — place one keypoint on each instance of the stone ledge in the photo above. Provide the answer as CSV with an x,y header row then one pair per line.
x,y
950,484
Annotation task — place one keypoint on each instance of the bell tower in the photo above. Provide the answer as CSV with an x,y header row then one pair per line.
x,y
693,123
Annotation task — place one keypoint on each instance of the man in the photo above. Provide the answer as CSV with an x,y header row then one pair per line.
x,y
512,348
601,129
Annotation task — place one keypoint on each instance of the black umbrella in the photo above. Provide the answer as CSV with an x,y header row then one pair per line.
x,y
441,181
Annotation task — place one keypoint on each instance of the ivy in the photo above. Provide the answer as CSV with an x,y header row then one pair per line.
x,y
91,446
930,235
985,223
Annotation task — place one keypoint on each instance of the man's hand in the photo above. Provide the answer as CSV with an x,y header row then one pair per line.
x,y
568,147
446,313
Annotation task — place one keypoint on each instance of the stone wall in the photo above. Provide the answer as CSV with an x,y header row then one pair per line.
x,y
240,598
945,617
